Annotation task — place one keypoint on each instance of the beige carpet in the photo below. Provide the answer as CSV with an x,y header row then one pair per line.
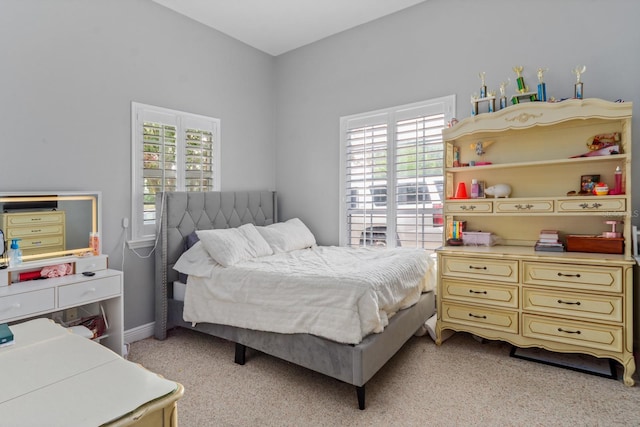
x,y
462,383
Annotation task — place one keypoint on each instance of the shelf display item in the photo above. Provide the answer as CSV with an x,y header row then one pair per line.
x,y
523,89
498,190
542,87
578,87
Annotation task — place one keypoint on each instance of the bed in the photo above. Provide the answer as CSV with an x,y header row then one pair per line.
x,y
350,361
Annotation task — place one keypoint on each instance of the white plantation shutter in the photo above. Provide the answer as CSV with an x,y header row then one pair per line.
x,y
419,161
172,151
392,166
366,171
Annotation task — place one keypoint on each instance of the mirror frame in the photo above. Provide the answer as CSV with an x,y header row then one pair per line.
x,y
94,197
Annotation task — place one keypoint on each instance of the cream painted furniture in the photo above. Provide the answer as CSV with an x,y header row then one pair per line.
x,y
38,298
570,302
52,377
38,231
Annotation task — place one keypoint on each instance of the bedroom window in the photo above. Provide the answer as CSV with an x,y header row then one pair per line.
x,y
392,184
172,151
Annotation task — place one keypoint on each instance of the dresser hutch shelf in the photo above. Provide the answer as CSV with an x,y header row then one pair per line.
x,y
571,302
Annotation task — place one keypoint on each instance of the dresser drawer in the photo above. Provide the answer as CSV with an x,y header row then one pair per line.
x,y
468,206
593,204
574,276
483,317
25,304
523,206
44,229
41,241
497,295
26,219
78,293
480,268
573,304
602,337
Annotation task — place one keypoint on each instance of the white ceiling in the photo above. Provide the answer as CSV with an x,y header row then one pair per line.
x,y
278,26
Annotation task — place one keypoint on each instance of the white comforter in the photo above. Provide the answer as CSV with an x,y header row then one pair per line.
x,y
342,294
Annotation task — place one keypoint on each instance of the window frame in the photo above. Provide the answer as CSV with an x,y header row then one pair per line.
x,y
141,234
391,116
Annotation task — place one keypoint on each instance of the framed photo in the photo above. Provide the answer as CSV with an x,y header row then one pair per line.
x,y
587,183
481,186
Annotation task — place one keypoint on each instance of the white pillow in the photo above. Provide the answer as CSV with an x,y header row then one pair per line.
x,y
196,262
257,245
227,246
288,236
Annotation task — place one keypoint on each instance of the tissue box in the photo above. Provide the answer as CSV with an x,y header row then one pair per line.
x,y
478,238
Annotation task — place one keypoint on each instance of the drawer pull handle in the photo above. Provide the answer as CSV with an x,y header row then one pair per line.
x,y
594,206
568,332
569,302
467,208
477,268
476,316
523,207
90,290
471,291
568,275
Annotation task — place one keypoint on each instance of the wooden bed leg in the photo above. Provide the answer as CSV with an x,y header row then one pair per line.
x,y
360,393
241,352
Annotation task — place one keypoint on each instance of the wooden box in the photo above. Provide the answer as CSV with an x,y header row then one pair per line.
x,y
597,244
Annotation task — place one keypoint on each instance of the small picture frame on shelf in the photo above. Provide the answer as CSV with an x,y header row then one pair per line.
x,y
481,186
587,183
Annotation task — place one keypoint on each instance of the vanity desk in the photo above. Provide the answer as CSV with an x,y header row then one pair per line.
x,y
72,217
88,294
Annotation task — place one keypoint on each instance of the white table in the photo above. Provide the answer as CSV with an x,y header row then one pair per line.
x,y
53,377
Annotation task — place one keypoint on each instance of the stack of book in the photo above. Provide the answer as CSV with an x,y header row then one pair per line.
x,y
549,240
6,336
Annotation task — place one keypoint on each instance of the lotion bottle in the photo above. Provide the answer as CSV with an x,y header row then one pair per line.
x,y
475,190
15,254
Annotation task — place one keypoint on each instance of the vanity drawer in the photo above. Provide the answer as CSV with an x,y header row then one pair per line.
x,y
468,206
483,317
25,304
573,276
593,204
590,335
498,295
480,268
523,206
79,293
575,305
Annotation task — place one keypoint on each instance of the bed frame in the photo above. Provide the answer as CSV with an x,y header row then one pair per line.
x,y
181,213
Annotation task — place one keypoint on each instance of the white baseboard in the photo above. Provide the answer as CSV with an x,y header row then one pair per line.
x,y
139,333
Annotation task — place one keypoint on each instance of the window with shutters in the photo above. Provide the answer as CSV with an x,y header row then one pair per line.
x,y
392,183
172,151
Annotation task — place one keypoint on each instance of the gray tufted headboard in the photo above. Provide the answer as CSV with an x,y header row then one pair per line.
x,y
180,213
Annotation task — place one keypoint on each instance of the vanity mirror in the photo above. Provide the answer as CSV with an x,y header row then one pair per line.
x,y
48,224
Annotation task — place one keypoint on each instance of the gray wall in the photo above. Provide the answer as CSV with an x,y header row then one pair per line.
x,y
70,69
434,49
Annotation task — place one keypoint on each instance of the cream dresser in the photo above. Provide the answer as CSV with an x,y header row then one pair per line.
x,y
577,302
38,231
